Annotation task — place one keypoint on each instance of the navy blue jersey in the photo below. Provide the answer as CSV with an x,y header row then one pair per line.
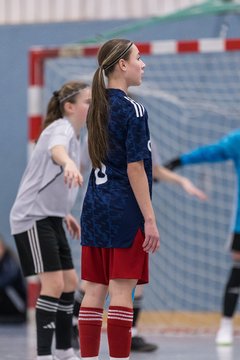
x,y
111,215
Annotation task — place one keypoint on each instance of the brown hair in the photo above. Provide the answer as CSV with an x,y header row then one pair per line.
x,y
67,93
97,119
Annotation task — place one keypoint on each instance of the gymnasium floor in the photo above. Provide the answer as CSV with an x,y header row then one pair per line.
x,y
18,343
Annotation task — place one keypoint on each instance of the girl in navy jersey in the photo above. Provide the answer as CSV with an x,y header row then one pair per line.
x,y
160,174
118,222
45,198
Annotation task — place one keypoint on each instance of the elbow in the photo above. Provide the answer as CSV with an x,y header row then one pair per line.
x,y
135,168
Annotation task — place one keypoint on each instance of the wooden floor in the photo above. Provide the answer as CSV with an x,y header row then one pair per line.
x,y
187,321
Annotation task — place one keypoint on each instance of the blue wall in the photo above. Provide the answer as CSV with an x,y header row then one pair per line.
x,y
15,42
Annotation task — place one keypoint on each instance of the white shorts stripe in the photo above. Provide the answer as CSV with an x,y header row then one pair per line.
x,y
35,249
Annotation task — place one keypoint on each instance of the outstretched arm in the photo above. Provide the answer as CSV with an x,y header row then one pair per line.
x,y
162,174
226,148
72,175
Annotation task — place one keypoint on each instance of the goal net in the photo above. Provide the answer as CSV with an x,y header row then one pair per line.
x,y
191,91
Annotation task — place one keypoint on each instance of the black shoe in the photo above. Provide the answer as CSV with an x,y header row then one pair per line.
x,y
140,345
75,337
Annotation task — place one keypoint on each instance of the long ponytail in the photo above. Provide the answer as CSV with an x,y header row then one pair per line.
x,y
97,119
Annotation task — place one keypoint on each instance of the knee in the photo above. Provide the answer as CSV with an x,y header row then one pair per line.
x,y
58,287
74,281
70,282
53,288
96,294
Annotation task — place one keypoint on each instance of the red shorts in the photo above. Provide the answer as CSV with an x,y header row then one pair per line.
x,y
99,265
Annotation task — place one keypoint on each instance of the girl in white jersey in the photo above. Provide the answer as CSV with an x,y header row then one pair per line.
x,y
45,198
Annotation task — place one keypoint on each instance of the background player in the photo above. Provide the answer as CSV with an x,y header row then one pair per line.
x,y
13,290
227,148
45,197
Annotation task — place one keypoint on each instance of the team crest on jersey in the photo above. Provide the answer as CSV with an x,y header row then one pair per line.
x,y
139,109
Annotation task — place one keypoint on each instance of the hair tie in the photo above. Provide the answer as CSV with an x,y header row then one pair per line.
x,y
56,94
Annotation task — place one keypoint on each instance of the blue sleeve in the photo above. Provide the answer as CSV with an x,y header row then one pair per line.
x,y
138,137
228,148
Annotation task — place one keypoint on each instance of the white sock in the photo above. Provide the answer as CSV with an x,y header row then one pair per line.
x,y
45,357
90,358
113,358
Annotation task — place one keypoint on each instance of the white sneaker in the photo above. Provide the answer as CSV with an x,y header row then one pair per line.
x,y
225,332
68,354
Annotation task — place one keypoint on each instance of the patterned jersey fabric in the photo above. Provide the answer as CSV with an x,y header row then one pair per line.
x,y
111,215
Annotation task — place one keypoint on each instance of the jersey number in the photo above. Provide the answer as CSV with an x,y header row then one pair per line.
x,y
100,175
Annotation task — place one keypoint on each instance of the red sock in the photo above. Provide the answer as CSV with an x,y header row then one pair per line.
x,y
119,325
90,323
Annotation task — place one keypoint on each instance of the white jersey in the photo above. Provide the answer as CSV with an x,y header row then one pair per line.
x,y
42,190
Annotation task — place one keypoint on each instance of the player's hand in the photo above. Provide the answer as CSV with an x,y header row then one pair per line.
x,y
152,238
72,175
191,189
73,226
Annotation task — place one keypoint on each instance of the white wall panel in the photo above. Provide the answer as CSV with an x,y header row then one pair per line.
x,y
38,11
30,11
2,11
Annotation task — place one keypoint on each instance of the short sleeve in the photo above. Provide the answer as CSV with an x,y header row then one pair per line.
x,y
61,135
138,138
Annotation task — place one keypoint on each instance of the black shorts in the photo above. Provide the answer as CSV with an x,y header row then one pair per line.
x,y
44,247
234,242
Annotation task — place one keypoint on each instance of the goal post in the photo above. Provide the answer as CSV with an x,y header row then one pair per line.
x,y
191,91
39,55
